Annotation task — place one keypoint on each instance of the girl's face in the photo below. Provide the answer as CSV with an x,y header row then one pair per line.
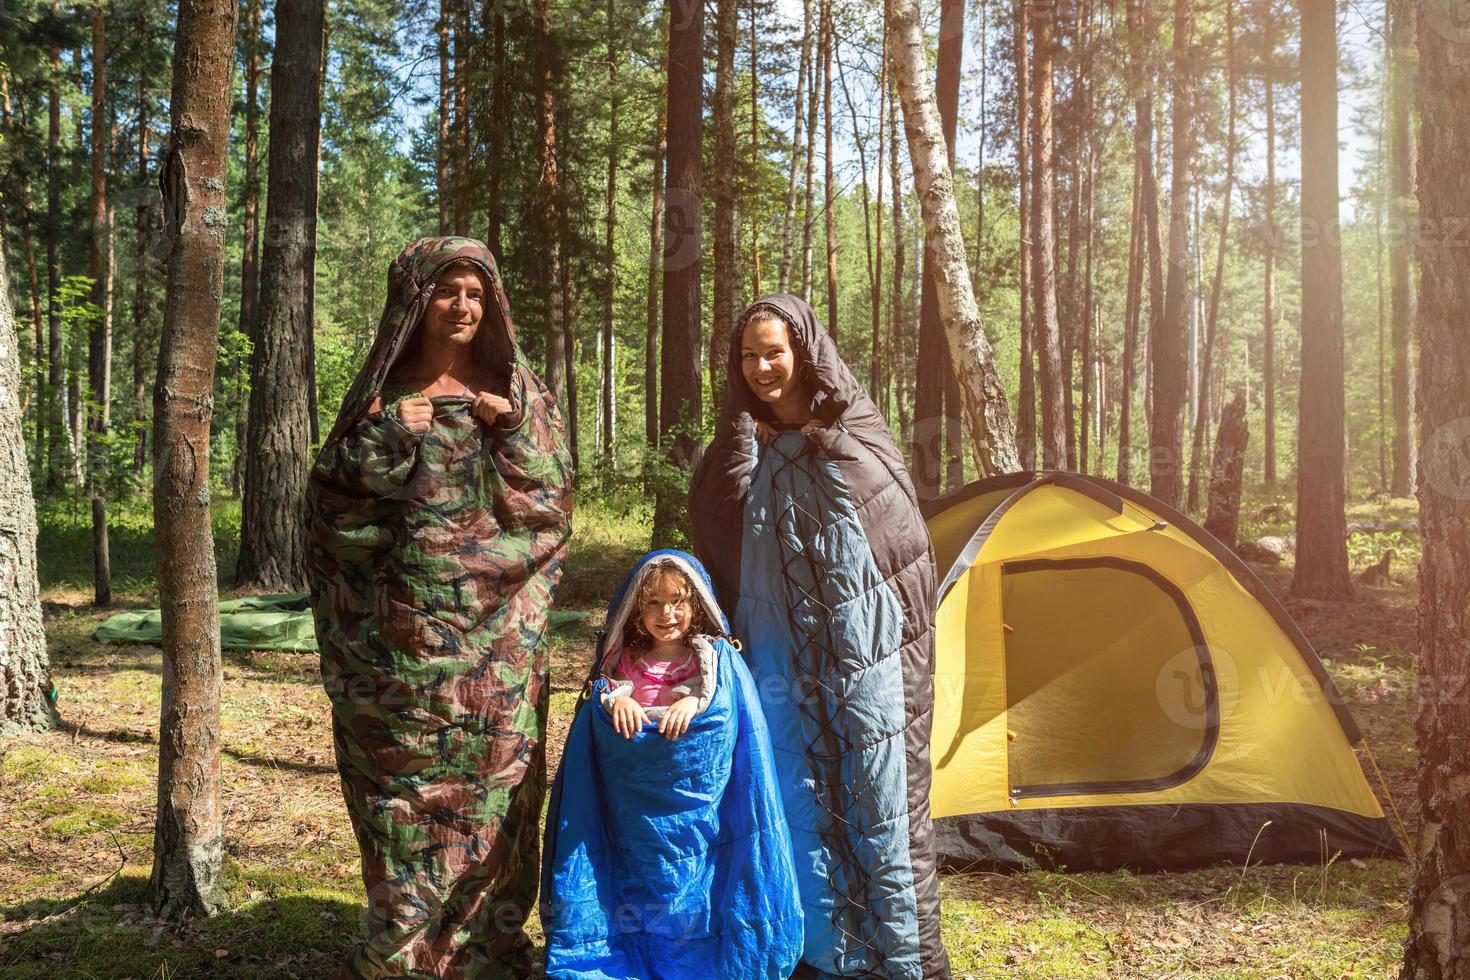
x,y
668,609
768,362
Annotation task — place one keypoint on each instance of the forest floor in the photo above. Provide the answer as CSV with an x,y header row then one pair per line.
x,y
77,804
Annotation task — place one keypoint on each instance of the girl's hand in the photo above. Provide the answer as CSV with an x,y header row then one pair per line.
x,y
416,414
765,432
628,717
675,721
490,407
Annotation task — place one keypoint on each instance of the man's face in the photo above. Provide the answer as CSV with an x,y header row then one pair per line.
x,y
455,309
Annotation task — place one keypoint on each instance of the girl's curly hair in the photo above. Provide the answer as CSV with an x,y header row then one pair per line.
x,y
635,638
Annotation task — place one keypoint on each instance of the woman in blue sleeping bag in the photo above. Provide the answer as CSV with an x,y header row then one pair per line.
x,y
667,852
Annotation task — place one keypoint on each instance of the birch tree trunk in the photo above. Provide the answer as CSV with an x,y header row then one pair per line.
x,y
992,438
1438,946
25,670
188,841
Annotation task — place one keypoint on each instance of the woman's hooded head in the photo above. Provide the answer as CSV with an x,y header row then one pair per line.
x,y
818,363
411,280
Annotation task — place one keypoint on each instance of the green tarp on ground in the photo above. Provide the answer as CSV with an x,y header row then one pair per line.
x,y
260,622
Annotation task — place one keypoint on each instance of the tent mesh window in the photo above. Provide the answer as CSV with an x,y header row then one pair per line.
x,y
1111,690
801,498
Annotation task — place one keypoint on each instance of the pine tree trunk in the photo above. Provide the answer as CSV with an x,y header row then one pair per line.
x,y
1169,341
727,276
1132,309
1273,238
1438,946
680,406
1026,424
1212,325
460,170
788,221
893,383
143,266
188,843
25,670
829,189
99,354
501,107
1403,25
609,354
1046,328
814,102
932,369
56,435
250,238
992,437
272,525
548,193
1321,515
755,157
443,192
1227,474
655,265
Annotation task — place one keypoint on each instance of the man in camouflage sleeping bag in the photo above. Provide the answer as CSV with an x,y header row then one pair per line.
x,y
440,507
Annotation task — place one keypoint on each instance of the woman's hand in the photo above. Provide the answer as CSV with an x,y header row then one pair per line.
x,y
628,717
416,414
490,407
765,432
675,721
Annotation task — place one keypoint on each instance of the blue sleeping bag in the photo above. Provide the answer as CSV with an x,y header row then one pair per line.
x,y
670,858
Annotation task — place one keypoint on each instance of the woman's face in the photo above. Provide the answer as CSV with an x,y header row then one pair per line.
x,y
454,311
768,362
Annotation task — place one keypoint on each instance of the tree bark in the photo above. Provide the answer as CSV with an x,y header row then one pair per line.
x,y
501,105
25,670
1273,238
992,437
788,222
272,526
1438,946
829,190
680,409
188,842
460,170
1212,326
655,263
55,401
250,238
895,312
876,384
932,369
1227,474
1140,37
755,158
142,293
1046,328
99,354
727,277
609,354
548,193
813,104
1168,342
1403,25
1132,308
1321,515
1026,425
442,187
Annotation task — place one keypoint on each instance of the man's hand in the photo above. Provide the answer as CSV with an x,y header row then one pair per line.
x,y
416,414
675,721
490,407
628,717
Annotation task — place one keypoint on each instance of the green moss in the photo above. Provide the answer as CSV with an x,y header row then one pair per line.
x,y
86,818
29,763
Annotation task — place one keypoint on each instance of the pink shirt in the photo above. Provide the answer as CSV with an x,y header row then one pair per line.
x,y
652,680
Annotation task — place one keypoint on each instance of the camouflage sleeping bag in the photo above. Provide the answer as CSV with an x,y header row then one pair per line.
x,y
433,558
820,555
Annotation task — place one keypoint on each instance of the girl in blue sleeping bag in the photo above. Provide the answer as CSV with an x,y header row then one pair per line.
x,y
667,852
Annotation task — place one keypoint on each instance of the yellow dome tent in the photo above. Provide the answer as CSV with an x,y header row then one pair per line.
x,y
1115,688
